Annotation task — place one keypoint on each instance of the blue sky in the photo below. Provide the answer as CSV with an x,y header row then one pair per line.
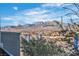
x,y
18,13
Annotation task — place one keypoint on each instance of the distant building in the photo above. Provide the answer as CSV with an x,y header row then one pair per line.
x,y
10,43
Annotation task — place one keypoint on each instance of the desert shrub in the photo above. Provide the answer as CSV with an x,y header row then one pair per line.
x,y
41,48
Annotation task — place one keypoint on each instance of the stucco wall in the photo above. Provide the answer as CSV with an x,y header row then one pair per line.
x,y
11,42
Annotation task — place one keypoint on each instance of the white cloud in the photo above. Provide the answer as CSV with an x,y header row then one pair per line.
x,y
52,4
32,13
35,11
60,5
15,8
10,24
6,18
